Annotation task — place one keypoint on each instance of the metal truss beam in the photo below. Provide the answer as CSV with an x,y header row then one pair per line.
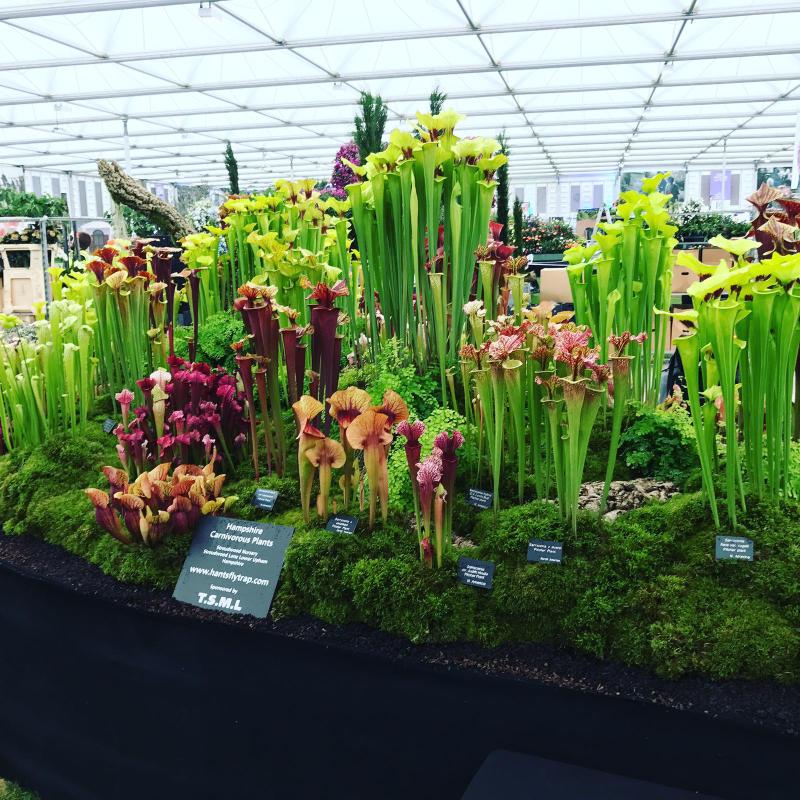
x,y
51,9
424,72
531,26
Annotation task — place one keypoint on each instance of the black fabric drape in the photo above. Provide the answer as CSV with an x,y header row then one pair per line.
x,y
102,702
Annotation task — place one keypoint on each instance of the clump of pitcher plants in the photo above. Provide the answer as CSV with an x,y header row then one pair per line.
x,y
260,315
742,339
432,486
619,361
345,406
134,299
362,427
158,503
190,412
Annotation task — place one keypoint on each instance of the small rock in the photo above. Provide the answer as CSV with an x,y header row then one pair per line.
x,y
461,542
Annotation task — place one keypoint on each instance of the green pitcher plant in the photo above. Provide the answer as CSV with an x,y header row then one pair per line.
x,y
420,211
742,343
623,278
48,385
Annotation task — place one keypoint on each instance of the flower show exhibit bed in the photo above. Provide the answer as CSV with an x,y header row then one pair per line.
x,y
113,690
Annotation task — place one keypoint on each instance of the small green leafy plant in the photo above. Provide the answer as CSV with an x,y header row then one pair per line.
x,y
659,443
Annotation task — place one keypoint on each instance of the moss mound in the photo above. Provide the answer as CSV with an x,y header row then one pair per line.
x,y
644,590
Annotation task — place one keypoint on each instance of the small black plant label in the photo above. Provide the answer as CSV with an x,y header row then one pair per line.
x,y
109,425
733,548
544,552
265,498
474,572
341,523
479,498
233,565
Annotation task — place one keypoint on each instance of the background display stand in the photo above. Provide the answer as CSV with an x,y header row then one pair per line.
x,y
25,279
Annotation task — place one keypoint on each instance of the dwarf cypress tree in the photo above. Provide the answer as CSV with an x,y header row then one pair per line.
x,y
369,124
232,167
502,190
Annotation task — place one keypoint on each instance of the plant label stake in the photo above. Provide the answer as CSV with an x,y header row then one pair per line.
x,y
265,498
233,565
473,572
341,523
541,551
109,425
733,548
479,498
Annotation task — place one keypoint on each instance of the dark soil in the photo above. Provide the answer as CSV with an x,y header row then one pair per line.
x,y
768,705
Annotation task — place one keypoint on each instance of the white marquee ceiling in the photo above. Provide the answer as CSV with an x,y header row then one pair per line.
x,y
578,85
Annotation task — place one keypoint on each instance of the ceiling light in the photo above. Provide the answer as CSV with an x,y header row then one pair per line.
x,y
205,10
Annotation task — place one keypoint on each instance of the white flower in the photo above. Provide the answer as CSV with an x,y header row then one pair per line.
x,y
474,307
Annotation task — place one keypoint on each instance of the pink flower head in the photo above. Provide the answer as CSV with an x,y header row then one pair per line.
x,y
600,373
326,295
146,385
567,340
161,378
165,442
619,343
124,398
449,443
429,473
505,346
411,430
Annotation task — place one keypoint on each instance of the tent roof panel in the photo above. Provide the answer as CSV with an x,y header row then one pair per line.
x,y
572,83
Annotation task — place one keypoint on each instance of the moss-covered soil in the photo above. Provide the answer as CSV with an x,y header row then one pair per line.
x,y
11,791
644,590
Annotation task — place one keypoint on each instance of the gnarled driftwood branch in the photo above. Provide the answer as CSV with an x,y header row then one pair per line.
x,y
128,191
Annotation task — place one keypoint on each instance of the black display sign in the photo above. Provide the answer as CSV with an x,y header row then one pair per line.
x,y
265,498
233,565
109,425
341,523
474,572
479,498
543,552
733,548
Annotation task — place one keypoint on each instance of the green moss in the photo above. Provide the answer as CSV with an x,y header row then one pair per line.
x,y
61,463
704,628
403,597
12,791
645,589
